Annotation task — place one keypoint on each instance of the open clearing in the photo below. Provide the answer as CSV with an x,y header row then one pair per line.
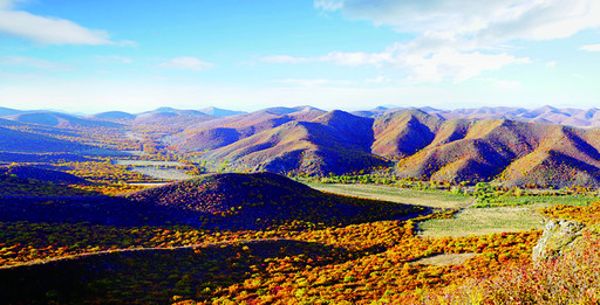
x,y
168,174
445,259
147,163
429,198
480,221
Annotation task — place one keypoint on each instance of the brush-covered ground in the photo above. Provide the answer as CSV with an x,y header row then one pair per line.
x,y
387,245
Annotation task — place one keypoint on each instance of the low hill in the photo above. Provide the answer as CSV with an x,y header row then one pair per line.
x,y
8,111
19,141
169,119
41,174
262,199
41,157
219,112
56,119
114,116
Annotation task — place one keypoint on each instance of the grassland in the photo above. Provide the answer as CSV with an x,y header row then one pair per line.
x,y
506,214
574,200
429,198
473,221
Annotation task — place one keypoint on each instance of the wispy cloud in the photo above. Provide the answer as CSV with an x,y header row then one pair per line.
x,y
30,62
48,30
487,21
329,5
313,82
340,58
286,59
459,39
591,48
115,59
187,63
423,65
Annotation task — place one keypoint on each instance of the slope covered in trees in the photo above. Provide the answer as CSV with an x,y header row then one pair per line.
x,y
263,199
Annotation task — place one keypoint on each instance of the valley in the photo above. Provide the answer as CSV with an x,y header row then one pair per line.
x,y
281,206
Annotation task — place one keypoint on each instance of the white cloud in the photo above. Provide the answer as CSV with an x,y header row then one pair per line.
x,y
423,65
460,39
504,84
285,59
490,21
551,64
310,82
378,80
329,5
30,62
186,63
47,30
591,48
115,59
450,64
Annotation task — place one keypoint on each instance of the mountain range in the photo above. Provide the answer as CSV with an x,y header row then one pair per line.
x,y
543,147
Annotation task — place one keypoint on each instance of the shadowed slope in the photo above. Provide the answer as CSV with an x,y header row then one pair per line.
x,y
225,131
40,174
19,141
401,134
152,276
335,142
264,199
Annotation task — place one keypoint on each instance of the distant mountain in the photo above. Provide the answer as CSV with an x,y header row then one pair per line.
x,y
403,133
170,119
220,113
224,131
57,119
18,141
464,146
259,200
335,142
7,111
512,152
114,116
547,115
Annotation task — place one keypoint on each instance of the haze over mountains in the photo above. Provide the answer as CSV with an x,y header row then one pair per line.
x,y
545,146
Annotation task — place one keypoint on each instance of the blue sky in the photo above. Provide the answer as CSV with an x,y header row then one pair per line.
x,y
90,56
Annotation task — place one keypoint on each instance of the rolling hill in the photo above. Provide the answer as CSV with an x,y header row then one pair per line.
x,y
41,174
19,141
57,119
219,112
114,116
547,114
514,152
262,199
334,142
8,111
169,119
427,144
224,131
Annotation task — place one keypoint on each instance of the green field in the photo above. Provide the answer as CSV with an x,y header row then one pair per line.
x,y
540,199
507,214
473,221
430,198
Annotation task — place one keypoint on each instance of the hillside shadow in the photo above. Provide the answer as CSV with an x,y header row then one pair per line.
x,y
94,208
152,276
